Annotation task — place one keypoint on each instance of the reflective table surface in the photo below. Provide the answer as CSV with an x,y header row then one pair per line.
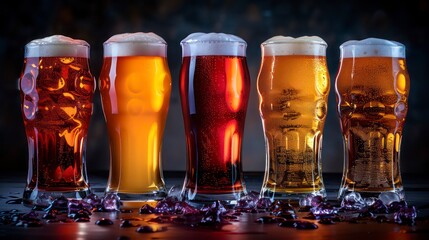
x,y
416,189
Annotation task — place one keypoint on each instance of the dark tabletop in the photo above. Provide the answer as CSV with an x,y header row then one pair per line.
x,y
416,189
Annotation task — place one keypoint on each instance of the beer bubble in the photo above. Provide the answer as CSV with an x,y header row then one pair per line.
x,y
67,60
321,109
374,109
211,44
57,46
401,110
401,83
29,109
135,106
27,83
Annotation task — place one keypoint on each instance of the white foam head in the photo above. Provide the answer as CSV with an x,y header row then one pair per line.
x,y
212,44
135,44
57,46
285,46
372,47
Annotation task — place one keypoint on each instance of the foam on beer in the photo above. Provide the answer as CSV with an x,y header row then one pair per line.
x,y
209,44
57,46
135,44
285,46
372,47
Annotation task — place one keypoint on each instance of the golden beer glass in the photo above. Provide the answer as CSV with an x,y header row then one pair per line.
x,y
135,86
372,87
293,87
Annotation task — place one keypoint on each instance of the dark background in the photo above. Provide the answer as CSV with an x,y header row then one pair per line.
x,y
254,21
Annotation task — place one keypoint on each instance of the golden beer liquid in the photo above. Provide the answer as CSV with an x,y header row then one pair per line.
x,y
293,93
135,92
372,103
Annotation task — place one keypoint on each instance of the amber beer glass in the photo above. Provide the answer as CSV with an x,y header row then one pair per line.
x,y
372,88
135,86
214,90
56,88
293,87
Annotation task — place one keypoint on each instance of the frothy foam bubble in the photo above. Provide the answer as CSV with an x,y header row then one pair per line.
x,y
209,44
135,44
57,46
284,46
372,47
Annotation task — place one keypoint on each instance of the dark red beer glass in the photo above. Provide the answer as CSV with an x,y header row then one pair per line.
x,y
214,89
56,88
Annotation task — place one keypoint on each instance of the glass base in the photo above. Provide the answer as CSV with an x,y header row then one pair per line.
x,y
367,194
292,197
199,200
36,197
132,200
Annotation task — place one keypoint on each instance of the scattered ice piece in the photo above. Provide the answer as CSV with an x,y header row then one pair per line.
x,y
127,224
299,224
166,206
44,200
93,200
389,197
147,209
185,209
396,206
213,214
353,201
174,192
406,215
324,210
104,222
263,203
311,199
248,202
376,206
150,229
111,202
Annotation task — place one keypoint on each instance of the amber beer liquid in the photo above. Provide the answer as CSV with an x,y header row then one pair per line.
x,y
372,90
293,87
135,85
56,88
214,88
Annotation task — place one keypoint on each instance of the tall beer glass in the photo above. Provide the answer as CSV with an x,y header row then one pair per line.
x,y
293,87
214,90
372,88
135,86
56,88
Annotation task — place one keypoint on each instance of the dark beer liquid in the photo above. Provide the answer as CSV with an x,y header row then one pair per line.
x,y
214,94
56,96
